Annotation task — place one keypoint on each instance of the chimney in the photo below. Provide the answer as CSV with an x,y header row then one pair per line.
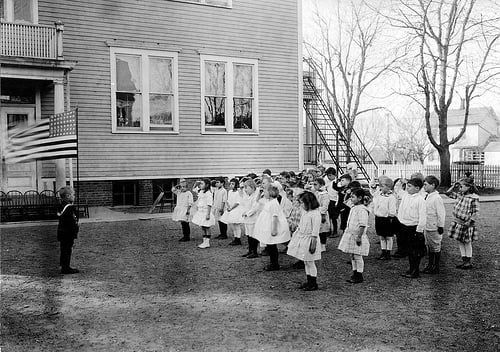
x,y
462,104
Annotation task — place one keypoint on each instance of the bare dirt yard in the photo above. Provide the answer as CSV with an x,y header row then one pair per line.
x,y
141,290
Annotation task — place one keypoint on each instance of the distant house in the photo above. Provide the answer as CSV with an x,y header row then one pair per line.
x,y
164,88
481,140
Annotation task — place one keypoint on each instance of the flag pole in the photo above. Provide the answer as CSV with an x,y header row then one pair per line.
x,y
77,162
68,108
71,183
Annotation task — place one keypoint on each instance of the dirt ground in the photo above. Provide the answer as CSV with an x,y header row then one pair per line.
x,y
142,290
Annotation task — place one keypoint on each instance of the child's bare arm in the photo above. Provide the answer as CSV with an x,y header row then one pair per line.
x,y
359,234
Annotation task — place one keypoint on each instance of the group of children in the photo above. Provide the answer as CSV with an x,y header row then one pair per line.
x,y
302,211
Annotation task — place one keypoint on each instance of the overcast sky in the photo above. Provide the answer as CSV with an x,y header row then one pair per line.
x,y
379,95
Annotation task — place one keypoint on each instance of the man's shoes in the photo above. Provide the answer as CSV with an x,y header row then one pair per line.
x,y
221,237
246,254
185,239
252,255
69,271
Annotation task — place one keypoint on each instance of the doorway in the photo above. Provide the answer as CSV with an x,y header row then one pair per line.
x,y
21,176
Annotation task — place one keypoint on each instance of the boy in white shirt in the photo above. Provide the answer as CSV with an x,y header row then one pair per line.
x,y
412,216
434,227
333,196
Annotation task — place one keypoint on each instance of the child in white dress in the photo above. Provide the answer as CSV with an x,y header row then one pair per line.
x,y
304,243
324,201
233,214
220,199
203,216
182,208
271,227
251,209
354,239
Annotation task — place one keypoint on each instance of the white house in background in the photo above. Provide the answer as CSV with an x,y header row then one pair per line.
x,y
481,140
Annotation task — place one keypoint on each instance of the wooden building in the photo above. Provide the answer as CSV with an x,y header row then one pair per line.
x,y
164,89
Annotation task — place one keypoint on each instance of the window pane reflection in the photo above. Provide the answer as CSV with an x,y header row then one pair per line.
x,y
242,113
128,109
215,110
160,109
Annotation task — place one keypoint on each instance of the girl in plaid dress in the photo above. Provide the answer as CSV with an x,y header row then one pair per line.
x,y
354,239
465,212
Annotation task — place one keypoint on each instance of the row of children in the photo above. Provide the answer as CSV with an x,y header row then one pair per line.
x,y
304,209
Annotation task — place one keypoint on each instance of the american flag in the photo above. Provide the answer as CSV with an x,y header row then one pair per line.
x,y
52,138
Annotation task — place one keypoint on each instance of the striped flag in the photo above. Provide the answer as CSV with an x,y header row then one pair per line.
x,y
52,138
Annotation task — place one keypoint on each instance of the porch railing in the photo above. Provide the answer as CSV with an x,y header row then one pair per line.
x,y
33,41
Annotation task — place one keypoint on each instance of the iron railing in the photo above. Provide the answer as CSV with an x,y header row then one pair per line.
x,y
342,146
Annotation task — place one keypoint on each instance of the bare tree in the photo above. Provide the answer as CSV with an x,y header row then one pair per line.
x,y
370,128
347,57
412,142
454,50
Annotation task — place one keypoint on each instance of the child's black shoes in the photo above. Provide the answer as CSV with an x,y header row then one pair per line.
x,y
69,271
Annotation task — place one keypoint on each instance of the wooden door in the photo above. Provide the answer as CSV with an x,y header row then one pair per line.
x,y
21,176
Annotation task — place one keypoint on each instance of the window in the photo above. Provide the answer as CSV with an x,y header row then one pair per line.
x,y
472,155
144,91
125,193
229,95
20,11
221,3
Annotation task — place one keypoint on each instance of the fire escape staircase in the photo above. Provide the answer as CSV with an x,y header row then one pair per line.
x,y
332,136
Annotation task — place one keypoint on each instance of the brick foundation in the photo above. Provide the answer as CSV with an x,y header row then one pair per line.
x,y
100,193
145,189
96,193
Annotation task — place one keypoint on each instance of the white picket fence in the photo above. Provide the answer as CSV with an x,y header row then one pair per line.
x,y
487,176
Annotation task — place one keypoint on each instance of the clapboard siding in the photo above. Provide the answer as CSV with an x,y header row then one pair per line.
x,y
253,27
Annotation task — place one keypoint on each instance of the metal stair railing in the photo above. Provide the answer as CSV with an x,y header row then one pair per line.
x,y
331,133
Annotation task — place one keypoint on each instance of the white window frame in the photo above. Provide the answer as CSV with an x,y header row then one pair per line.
x,y
8,12
229,128
204,2
145,118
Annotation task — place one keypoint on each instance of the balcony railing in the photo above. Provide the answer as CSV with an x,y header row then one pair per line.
x,y
33,41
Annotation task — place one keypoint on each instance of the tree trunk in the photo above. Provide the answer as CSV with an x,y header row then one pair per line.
x,y
348,132
444,159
